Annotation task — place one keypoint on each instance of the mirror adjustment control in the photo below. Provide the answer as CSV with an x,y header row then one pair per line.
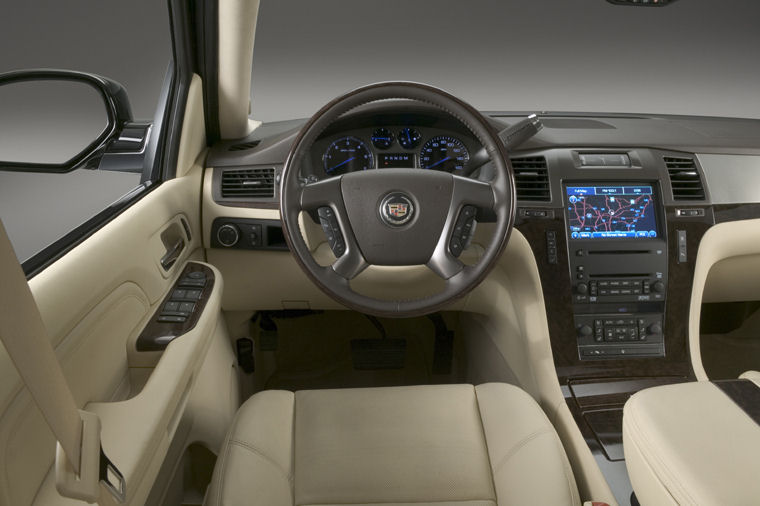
x,y
228,235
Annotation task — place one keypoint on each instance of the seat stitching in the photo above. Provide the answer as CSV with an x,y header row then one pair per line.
x,y
512,451
654,460
443,501
223,462
485,443
263,455
569,476
293,454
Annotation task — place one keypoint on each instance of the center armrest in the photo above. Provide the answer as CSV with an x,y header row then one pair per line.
x,y
691,443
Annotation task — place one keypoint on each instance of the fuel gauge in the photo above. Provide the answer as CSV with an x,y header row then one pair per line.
x,y
382,138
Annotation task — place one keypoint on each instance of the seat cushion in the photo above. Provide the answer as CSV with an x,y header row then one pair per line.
x,y
442,444
691,444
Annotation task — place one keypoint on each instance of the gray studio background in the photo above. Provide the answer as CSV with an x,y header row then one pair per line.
x,y
694,57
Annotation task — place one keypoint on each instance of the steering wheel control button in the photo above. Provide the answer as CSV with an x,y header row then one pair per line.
x,y
396,209
228,235
329,223
464,228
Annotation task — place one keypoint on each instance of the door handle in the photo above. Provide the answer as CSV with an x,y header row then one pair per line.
x,y
172,254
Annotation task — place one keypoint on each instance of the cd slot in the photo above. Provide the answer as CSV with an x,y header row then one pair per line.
x,y
646,275
621,252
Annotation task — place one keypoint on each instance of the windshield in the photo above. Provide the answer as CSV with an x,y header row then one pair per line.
x,y
693,57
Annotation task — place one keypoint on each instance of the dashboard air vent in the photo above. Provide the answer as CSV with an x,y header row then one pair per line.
x,y
248,183
684,179
243,146
531,179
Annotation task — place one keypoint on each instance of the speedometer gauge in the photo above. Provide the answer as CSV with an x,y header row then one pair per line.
x,y
346,154
444,153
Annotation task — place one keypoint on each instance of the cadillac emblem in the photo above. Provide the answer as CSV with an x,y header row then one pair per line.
x,y
396,209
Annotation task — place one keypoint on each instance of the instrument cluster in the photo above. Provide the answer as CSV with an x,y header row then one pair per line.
x,y
392,147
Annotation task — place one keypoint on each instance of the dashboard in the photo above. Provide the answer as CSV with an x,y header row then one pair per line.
x,y
613,206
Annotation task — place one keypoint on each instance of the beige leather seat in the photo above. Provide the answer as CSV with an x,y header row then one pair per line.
x,y
691,444
445,444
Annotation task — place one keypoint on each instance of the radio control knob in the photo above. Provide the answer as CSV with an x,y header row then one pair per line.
x,y
658,286
585,330
228,235
581,288
654,329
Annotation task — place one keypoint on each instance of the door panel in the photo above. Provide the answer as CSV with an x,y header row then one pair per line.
x,y
94,301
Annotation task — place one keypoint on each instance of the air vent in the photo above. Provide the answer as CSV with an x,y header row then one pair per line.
x,y
531,179
248,183
684,179
243,146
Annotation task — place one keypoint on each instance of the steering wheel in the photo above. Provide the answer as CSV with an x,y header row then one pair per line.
x,y
398,216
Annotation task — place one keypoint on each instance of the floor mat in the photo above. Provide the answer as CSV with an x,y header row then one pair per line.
x,y
727,355
344,349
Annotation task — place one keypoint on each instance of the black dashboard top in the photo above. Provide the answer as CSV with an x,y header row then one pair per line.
x,y
581,130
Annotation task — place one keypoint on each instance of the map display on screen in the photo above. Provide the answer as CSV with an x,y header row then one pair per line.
x,y
609,212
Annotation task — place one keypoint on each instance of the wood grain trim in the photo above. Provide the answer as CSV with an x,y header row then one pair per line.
x,y
156,335
745,394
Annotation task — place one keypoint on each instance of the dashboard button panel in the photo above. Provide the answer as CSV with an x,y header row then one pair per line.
x,y
606,336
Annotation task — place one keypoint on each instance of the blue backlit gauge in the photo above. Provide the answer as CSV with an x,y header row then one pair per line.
x,y
409,138
444,153
382,138
347,154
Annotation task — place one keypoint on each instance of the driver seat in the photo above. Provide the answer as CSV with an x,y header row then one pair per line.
x,y
450,445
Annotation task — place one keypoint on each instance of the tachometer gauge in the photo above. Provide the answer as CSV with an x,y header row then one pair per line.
x,y
444,153
382,138
347,154
409,138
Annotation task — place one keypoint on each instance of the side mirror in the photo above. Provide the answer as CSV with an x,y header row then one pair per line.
x,y
61,120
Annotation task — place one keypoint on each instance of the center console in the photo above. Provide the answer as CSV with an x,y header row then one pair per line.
x,y
617,252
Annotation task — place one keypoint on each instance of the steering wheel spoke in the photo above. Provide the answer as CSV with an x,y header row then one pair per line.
x,y
472,192
351,263
325,193
444,264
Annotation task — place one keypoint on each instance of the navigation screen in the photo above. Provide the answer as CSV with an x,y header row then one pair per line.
x,y
611,212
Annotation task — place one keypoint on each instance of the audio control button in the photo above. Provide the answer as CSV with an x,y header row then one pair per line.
x,y
581,288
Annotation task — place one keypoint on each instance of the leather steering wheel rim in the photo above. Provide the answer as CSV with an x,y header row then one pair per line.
x,y
460,279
